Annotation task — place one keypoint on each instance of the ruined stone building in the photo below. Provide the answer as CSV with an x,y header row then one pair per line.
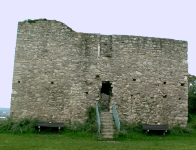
x,y
59,73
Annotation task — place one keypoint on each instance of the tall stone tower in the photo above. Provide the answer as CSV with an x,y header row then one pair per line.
x,y
59,73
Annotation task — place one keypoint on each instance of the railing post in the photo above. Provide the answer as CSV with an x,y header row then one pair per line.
x,y
115,114
98,118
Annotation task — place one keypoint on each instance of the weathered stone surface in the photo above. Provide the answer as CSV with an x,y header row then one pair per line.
x,y
58,75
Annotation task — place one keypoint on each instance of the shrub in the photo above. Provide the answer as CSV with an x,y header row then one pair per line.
x,y
21,126
6,125
180,130
192,120
28,125
91,123
89,126
77,127
91,114
130,128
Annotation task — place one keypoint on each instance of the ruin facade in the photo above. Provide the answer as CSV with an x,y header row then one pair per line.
x,y
59,73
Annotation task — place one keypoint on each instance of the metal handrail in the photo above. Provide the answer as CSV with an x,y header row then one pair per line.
x,y
98,119
115,114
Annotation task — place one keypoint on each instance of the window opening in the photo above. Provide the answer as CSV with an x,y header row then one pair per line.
x,y
164,96
97,77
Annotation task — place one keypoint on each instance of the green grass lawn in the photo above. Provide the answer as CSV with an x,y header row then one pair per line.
x,y
84,141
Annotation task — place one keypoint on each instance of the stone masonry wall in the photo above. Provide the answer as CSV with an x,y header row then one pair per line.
x,y
58,74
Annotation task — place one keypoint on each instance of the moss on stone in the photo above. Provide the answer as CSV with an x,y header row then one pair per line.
x,y
33,21
69,28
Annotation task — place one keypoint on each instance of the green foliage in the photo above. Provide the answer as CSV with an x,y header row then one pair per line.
x,y
192,103
70,28
6,125
192,94
91,123
77,127
23,126
33,21
192,120
91,114
89,126
27,125
180,130
75,140
130,128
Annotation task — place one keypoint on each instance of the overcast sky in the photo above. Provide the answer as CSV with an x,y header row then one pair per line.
x,y
174,19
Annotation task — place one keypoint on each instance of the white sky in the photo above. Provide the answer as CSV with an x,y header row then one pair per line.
x,y
174,19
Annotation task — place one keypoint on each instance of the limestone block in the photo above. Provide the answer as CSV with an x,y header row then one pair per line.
x,y
14,92
92,67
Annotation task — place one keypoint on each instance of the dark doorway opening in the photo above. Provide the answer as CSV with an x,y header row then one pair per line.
x,y
106,93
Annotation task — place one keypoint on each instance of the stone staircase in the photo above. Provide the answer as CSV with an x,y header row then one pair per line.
x,y
108,125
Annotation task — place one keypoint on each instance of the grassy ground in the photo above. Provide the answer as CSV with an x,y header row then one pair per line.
x,y
22,135
71,140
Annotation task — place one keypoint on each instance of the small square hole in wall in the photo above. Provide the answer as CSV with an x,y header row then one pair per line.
x,y
131,95
164,82
179,98
164,96
182,84
52,82
86,92
18,81
108,55
97,77
134,79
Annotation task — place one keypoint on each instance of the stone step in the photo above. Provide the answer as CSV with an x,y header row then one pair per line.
x,y
107,121
106,114
109,130
108,124
108,137
106,117
108,127
108,134
109,114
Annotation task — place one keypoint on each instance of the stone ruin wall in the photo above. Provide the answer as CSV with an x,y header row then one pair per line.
x,y
58,75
